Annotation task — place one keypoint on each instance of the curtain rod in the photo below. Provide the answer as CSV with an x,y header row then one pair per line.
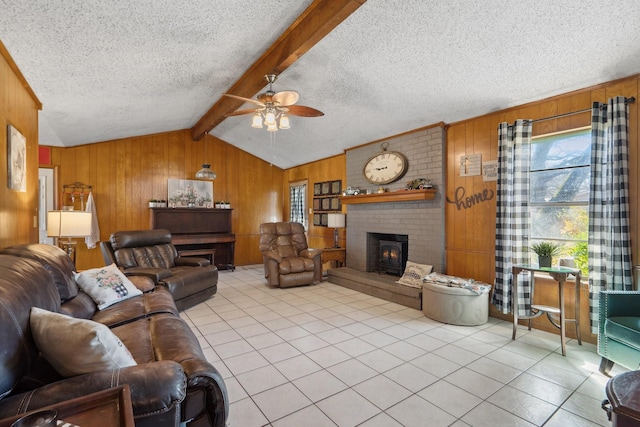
x,y
626,101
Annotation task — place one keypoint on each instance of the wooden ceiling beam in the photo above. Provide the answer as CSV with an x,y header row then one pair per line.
x,y
318,20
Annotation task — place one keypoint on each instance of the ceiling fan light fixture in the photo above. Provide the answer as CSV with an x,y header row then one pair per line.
x,y
272,109
257,121
284,121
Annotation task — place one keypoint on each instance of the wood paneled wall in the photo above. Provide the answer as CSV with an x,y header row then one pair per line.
x,y
328,169
470,248
18,107
127,173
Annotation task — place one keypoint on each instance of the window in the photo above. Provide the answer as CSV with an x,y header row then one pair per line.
x,y
298,203
559,190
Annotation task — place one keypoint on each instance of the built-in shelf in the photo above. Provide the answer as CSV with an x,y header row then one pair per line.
x,y
390,197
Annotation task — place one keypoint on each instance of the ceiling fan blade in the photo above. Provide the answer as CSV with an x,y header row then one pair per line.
x,y
302,111
253,101
286,97
241,112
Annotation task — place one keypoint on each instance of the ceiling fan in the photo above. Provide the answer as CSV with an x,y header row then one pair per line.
x,y
274,107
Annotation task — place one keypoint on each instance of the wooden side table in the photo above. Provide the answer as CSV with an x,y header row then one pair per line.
x,y
110,407
337,255
559,274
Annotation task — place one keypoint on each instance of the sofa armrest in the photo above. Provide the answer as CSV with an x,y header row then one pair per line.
x,y
155,273
202,375
191,261
156,388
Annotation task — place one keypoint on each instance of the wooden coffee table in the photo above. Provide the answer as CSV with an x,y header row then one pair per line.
x,y
111,407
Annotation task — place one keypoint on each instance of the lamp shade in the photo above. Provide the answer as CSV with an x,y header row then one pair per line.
x,y
68,223
336,220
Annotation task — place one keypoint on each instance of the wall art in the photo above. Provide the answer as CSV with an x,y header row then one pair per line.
x,y
189,193
16,159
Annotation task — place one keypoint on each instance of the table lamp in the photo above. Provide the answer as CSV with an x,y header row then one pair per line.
x,y
336,220
68,224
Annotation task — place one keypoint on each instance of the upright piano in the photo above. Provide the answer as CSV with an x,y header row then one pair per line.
x,y
197,229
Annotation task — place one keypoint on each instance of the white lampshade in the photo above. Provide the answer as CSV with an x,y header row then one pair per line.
x,y
336,220
68,223
284,121
257,121
270,118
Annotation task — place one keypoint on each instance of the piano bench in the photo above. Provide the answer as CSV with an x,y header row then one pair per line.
x,y
208,253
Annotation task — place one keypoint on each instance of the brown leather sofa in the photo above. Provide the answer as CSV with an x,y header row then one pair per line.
x,y
150,253
288,261
171,385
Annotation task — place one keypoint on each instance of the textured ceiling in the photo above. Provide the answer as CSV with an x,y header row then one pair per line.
x,y
107,70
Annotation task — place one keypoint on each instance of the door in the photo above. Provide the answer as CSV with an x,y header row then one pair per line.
x,y
46,201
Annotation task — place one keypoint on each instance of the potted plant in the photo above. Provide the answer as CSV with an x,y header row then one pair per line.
x,y
546,251
157,203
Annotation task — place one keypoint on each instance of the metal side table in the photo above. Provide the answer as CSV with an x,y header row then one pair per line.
x,y
559,274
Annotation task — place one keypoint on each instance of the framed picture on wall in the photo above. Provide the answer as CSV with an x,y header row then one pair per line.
x,y
316,219
189,193
317,189
336,187
16,160
316,204
326,204
326,187
335,204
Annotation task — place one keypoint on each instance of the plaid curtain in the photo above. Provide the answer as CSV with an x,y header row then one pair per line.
x,y
298,201
512,215
609,237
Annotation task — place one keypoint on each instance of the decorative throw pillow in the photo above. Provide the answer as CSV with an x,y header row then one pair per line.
x,y
77,346
106,285
414,273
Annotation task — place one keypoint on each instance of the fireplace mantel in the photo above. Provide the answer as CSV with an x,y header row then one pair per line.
x,y
390,197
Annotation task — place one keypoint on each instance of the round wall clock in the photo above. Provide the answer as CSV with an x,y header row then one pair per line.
x,y
385,167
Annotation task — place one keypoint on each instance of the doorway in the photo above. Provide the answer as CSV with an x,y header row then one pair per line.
x,y
47,199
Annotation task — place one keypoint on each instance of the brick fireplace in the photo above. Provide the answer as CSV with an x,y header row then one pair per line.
x,y
421,221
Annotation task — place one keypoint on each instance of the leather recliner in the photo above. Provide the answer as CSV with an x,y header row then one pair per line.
x,y
150,253
288,261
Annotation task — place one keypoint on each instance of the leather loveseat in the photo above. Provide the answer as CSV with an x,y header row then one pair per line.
x,y
172,384
150,253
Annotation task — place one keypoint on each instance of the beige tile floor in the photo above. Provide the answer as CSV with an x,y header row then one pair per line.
x,y
324,355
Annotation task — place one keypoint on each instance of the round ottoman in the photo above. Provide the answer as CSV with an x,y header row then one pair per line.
x,y
454,305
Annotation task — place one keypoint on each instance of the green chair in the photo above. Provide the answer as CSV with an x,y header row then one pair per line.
x,y
619,330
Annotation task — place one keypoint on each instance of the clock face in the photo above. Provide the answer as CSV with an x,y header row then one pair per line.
x,y
385,167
